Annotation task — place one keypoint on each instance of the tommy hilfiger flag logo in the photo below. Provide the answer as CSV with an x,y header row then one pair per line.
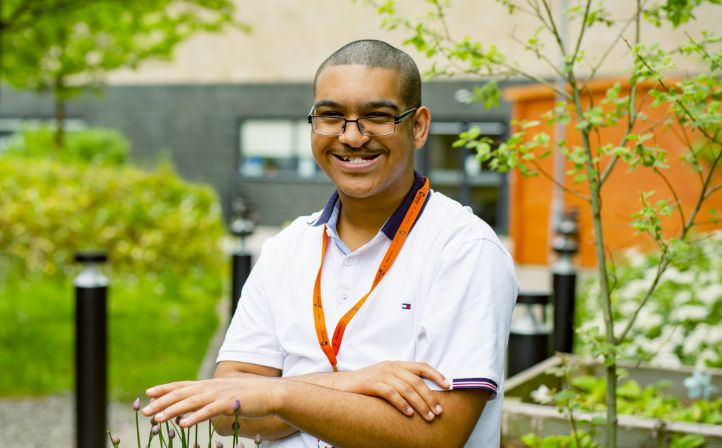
x,y
405,306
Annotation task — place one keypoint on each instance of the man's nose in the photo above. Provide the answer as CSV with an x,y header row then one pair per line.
x,y
352,136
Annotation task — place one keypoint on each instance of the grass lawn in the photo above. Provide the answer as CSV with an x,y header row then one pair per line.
x,y
159,329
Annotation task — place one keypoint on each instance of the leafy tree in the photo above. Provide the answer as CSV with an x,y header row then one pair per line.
x,y
19,14
692,110
68,53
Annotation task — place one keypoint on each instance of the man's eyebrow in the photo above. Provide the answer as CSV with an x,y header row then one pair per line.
x,y
375,104
381,104
327,103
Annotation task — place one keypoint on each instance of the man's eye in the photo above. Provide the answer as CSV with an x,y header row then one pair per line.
x,y
379,117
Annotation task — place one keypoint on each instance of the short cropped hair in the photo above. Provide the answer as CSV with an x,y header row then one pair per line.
x,y
376,53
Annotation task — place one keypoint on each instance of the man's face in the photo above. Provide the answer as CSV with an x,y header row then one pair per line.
x,y
366,166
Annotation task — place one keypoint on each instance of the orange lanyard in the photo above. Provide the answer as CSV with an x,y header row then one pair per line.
x,y
331,349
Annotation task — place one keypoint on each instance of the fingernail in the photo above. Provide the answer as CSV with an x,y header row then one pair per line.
x,y
430,415
146,409
409,411
438,409
183,422
160,417
150,391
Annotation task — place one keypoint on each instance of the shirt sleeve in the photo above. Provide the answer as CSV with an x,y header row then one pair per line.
x,y
251,336
464,326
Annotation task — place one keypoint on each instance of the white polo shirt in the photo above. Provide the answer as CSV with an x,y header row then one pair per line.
x,y
447,301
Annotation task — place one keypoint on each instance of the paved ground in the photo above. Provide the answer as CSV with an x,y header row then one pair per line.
x,y
49,421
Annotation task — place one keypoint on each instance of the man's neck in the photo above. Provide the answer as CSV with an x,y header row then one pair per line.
x,y
361,219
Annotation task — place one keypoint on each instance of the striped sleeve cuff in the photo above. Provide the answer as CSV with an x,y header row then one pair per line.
x,y
475,383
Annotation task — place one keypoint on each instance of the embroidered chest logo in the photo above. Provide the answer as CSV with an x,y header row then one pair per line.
x,y
405,306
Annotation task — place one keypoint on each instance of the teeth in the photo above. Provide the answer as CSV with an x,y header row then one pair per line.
x,y
357,160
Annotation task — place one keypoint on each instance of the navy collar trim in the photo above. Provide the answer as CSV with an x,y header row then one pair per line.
x,y
394,222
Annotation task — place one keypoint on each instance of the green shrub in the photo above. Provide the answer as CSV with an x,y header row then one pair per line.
x,y
149,222
96,146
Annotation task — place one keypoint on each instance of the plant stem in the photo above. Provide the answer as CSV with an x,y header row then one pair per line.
x,y
167,431
137,428
235,431
210,436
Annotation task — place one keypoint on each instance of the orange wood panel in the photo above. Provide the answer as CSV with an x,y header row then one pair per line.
x,y
531,197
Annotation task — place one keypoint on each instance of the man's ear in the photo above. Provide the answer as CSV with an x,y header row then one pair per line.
x,y
421,126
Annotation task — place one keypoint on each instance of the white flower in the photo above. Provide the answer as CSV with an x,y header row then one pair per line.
x,y
691,312
627,307
542,395
683,297
635,288
635,257
706,355
648,319
695,339
672,274
711,294
667,360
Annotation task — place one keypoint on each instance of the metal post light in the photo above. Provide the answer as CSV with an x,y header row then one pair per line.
x,y
564,275
91,292
529,333
243,225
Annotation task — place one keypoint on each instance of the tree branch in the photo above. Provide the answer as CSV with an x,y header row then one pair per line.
x,y
671,189
554,30
711,190
559,184
539,56
631,105
582,32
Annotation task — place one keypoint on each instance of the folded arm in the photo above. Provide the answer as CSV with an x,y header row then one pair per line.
x,y
340,418
399,383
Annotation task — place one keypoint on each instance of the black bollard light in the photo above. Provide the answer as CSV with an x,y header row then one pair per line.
x,y
243,225
91,384
529,334
241,268
564,279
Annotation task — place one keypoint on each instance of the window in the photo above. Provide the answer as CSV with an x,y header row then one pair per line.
x,y
457,173
276,148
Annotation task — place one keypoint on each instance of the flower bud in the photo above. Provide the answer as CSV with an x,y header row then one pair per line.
x,y
155,430
177,420
240,445
236,406
258,439
136,404
219,445
115,440
171,433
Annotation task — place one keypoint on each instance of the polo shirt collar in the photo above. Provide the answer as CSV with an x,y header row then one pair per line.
x,y
393,223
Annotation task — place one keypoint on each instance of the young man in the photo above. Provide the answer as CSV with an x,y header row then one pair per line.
x,y
381,320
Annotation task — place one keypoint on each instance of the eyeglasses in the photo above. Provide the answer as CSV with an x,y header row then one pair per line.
x,y
373,126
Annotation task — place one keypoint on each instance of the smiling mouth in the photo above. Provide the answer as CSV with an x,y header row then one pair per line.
x,y
356,159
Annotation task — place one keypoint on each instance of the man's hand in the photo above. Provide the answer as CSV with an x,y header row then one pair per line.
x,y
400,383
208,398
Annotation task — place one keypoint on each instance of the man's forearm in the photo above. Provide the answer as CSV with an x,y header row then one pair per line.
x,y
270,428
348,420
